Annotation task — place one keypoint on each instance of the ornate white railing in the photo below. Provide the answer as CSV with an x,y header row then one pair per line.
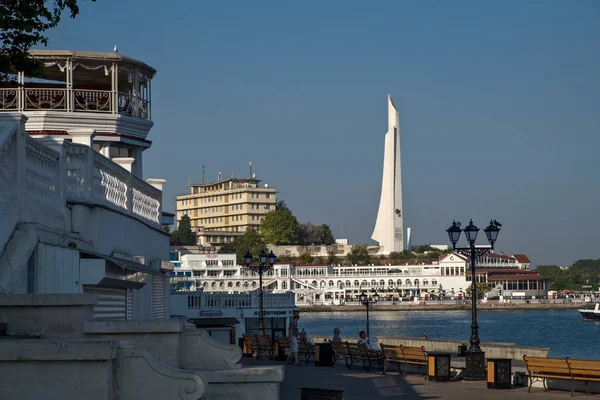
x,y
93,178
92,100
43,178
78,100
8,166
145,200
45,99
9,100
133,105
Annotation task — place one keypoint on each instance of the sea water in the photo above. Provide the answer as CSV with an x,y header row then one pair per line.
x,y
563,331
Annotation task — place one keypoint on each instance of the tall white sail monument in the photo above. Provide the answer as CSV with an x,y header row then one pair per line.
x,y
389,227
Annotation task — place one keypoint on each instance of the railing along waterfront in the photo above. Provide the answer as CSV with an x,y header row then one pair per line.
x,y
93,178
76,100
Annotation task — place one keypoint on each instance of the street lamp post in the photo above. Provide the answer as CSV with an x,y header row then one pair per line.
x,y
474,358
365,300
262,267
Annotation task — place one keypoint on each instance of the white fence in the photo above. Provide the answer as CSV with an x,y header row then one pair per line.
x,y
40,180
237,300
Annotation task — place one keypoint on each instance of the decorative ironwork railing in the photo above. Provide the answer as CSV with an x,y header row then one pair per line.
x,y
9,100
92,100
77,100
230,300
45,99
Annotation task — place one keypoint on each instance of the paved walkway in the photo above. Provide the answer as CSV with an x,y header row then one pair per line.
x,y
360,385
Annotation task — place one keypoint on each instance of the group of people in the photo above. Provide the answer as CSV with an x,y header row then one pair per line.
x,y
294,334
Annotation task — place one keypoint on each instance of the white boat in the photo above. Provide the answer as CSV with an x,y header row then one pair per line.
x,y
591,315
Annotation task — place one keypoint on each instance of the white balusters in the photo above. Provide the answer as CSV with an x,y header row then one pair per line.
x,y
42,174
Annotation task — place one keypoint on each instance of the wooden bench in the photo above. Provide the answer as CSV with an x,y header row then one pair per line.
x,y
542,369
305,349
403,355
359,352
340,350
281,344
584,371
264,346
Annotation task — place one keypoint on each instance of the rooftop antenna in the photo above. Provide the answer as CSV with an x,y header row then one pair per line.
x,y
250,176
203,173
219,177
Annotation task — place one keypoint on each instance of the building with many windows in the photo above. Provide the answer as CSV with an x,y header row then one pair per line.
x,y
222,210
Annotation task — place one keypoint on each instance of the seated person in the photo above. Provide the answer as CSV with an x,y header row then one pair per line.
x,y
364,340
336,335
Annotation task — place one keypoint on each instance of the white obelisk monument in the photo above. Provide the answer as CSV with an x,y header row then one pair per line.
x,y
389,228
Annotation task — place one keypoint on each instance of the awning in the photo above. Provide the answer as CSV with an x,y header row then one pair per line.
x,y
214,322
117,272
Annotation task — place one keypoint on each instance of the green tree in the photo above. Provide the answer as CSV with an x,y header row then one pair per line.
x,y
279,227
305,258
359,255
250,241
165,229
482,289
315,234
183,235
22,26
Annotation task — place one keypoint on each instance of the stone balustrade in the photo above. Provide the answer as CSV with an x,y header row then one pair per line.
x,y
94,179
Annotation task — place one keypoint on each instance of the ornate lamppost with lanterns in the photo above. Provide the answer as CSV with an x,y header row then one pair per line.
x,y
266,262
364,299
474,357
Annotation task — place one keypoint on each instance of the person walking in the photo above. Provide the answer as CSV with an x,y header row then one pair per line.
x,y
293,335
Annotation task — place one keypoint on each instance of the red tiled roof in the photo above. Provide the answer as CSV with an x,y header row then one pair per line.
x,y
500,256
522,258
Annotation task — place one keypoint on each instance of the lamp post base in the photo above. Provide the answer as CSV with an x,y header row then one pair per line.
x,y
475,365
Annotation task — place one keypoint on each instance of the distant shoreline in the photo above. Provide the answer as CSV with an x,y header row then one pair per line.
x,y
446,307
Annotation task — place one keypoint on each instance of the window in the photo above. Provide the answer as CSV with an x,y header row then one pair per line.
x,y
284,285
97,146
120,152
268,195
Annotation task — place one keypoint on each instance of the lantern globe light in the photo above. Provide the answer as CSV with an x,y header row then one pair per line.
x,y
454,233
376,297
272,258
471,232
248,258
263,257
491,231
363,297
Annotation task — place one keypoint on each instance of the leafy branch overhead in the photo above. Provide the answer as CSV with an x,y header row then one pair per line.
x,y
23,25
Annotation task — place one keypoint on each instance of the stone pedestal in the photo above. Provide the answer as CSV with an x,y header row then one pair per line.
x,y
475,366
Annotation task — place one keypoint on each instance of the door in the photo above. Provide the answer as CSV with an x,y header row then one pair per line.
x,y
158,296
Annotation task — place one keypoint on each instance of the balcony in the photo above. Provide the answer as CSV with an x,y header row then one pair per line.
x,y
39,98
82,82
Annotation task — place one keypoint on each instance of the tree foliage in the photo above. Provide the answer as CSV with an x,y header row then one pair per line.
x,y
482,289
581,273
315,234
250,241
183,235
279,227
22,26
359,255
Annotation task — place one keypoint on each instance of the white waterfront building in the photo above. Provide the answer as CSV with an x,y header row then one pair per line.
x,y
84,264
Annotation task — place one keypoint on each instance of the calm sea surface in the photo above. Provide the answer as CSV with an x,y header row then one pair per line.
x,y
563,331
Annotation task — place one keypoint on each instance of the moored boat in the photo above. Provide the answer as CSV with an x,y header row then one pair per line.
x,y
591,315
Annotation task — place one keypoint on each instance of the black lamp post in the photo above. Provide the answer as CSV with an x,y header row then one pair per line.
x,y
418,291
365,300
262,267
474,358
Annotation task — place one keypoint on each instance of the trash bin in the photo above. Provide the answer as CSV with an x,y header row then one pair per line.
x,y
321,394
499,373
438,366
323,355
462,349
279,352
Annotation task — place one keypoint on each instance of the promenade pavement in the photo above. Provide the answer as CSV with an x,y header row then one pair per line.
x,y
360,385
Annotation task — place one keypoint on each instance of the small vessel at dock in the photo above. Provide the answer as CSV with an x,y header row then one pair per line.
x,y
591,315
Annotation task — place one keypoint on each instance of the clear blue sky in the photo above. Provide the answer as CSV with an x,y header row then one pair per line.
x,y
499,105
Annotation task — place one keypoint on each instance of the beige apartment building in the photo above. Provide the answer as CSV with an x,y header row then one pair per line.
x,y
222,210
